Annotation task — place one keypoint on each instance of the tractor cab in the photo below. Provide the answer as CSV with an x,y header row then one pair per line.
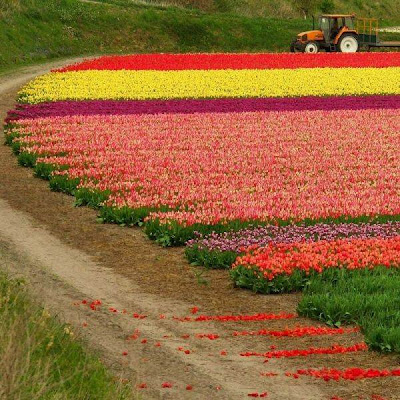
x,y
334,33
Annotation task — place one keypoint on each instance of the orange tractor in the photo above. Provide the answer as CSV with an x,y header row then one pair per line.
x,y
344,33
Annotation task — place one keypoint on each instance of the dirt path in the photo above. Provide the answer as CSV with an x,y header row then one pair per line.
x,y
68,257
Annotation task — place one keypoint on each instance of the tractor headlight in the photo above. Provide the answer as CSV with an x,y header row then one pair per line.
x,y
304,38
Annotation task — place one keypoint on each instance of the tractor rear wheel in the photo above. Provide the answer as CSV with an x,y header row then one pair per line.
x,y
311,47
348,43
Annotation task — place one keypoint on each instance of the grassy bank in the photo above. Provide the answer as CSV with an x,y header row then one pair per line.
x,y
40,30
32,31
279,9
41,359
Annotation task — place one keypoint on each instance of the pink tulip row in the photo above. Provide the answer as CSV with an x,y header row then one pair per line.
x,y
214,167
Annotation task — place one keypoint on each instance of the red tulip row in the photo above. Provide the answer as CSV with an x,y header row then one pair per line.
x,y
283,259
167,62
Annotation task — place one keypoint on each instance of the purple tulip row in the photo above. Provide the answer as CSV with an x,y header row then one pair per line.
x,y
263,235
111,107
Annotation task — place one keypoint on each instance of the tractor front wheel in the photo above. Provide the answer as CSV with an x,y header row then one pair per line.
x,y
311,47
348,43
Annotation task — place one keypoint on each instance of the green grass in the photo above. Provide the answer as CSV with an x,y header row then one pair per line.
x,y
40,358
42,30
369,298
282,8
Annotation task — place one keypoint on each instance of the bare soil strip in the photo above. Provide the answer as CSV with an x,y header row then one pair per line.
x,y
68,257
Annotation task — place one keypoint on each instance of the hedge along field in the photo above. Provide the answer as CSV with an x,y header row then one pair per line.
x,y
290,155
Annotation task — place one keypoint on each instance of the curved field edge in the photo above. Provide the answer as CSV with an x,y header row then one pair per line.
x,y
165,234
41,358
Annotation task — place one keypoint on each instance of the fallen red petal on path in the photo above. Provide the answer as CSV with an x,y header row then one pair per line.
x,y
229,318
352,374
211,336
299,331
138,316
124,353
194,310
335,349
268,374
166,385
142,385
189,387
256,394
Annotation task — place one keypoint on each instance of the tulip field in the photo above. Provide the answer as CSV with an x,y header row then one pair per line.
x,y
282,168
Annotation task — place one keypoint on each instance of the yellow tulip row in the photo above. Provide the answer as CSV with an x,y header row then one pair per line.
x,y
133,85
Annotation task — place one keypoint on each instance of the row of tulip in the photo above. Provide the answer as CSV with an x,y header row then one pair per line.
x,y
219,250
251,173
283,267
115,107
142,85
168,62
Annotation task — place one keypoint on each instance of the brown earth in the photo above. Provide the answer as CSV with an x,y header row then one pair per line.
x,y
68,257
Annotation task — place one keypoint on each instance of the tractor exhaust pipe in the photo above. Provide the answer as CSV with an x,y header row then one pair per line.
x,y
313,23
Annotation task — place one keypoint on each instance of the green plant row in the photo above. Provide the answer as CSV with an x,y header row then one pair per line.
x,y
175,234
213,259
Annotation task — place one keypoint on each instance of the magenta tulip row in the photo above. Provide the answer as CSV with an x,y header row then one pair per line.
x,y
115,107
